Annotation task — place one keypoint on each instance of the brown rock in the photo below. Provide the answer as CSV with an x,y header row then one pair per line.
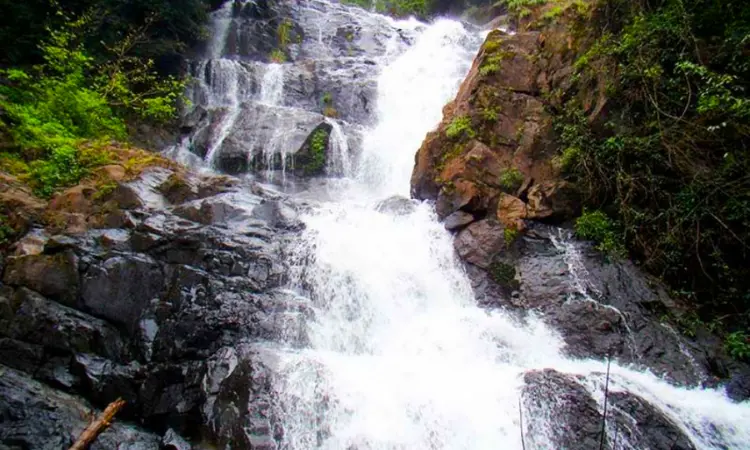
x,y
113,172
512,211
479,242
54,276
553,199
463,195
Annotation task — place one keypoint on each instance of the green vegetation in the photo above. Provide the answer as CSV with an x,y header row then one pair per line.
x,y
596,226
510,235
737,345
460,127
277,56
490,114
670,161
57,105
511,180
313,162
504,275
170,28
398,8
6,231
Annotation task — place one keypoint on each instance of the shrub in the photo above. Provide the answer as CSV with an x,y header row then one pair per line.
x,y
596,226
67,100
511,179
737,345
460,127
670,164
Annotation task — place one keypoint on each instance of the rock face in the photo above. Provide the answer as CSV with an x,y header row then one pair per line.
x,y
492,155
252,116
168,312
572,419
491,169
601,307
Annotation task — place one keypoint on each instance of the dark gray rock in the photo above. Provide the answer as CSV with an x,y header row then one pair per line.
x,y
57,327
458,220
119,289
558,408
54,276
173,441
35,416
643,426
738,387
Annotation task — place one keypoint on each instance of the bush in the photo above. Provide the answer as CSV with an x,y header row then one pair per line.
x,y
737,345
670,164
596,226
53,109
460,127
511,180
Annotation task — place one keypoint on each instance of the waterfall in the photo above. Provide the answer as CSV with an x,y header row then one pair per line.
x,y
400,356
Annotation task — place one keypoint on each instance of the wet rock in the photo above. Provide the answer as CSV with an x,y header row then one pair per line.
x,y
738,387
279,215
36,416
119,289
458,220
173,441
643,426
55,276
480,242
557,408
31,244
54,326
397,205
104,381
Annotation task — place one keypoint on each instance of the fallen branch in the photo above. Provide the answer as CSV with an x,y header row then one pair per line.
x,y
98,426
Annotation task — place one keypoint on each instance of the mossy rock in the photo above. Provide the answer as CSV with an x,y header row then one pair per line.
x,y
504,275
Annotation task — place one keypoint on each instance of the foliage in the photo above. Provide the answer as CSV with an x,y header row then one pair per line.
x,y
510,235
490,114
398,8
504,274
596,226
670,163
67,99
737,345
176,26
460,127
511,179
6,231
278,56
313,161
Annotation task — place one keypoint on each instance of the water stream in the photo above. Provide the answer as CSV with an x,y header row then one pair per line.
x,y
400,356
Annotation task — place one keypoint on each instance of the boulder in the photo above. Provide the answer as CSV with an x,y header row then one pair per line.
x,y
120,287
54,276
41,321
559,412
39,417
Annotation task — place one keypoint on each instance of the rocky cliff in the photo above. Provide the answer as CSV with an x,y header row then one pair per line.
x,y
492,168
155,290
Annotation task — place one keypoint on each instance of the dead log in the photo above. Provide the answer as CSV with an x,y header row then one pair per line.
x,y
98,426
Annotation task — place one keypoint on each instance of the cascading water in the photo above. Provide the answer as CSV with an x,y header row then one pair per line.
x,y
399,355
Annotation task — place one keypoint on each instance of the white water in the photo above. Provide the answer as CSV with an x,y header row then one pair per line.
x,y
400,355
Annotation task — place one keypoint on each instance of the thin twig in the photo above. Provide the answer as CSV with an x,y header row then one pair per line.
x,y
606,392
98,426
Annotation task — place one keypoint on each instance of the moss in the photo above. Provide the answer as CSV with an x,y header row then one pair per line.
x,y
504,275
